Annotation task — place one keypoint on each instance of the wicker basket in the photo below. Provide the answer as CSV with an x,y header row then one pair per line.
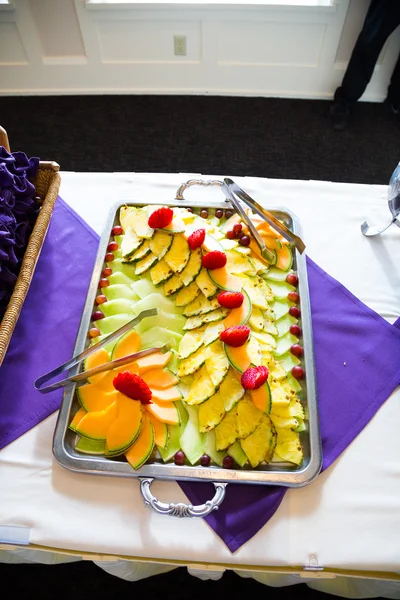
x,y
47,184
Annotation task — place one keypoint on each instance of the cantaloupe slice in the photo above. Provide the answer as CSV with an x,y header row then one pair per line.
x,y
266,229
273,243
128,344
262,398
224,280
170,394
131,367
95,425
166,412
100,357
153,361
81,412
93,398
256,251
239,316
285,258
160,378
140,451
124,430
160,431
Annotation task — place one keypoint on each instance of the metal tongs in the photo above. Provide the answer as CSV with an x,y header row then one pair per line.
x,y
393,203
231,188
81,378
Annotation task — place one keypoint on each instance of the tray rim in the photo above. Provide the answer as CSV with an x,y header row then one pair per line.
x,y
93,465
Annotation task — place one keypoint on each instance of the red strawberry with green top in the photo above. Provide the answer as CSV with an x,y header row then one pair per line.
x,y
196,239
161,217
132,386
230,299
254,377
214,260
235,336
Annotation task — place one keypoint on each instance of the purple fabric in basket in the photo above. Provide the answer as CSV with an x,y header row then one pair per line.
x,y
46,329
356,354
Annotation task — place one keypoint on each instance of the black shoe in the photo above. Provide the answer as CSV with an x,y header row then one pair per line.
x,y
339,115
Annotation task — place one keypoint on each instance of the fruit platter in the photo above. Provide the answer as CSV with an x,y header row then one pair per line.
x,y
231,398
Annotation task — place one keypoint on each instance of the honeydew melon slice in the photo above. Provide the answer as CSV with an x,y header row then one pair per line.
x,y
157,336
275,274
156,301
283,324
110,324
143,287
116,307
288,361
164,320
210,449
120,290
86,446
118,266
192,441
281,307
119,277
236,452
280,289
284,344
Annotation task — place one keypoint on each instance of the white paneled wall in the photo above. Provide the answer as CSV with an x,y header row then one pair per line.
x,y
67,47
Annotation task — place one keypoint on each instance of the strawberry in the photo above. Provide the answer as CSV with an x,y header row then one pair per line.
x,y
214,260
132,386
161,217
235,336
230,299
254,377
196,239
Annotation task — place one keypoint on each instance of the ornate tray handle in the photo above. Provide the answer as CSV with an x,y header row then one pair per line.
x,y
180,509
203,182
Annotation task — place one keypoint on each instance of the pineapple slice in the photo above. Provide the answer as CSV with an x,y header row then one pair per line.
x,y
193,267
231,390
205,283
288,446
200,306
217,362
173,284
178,255
238,264
160,243
284,422
226,432
211,317
187,295
130,243
248,417
190,365
160,272
259,291
144,265
201,389
211,412
141,252
212,331
256,320
259,446
190,343
294,409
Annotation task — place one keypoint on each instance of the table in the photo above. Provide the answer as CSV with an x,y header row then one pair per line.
x,y
347,521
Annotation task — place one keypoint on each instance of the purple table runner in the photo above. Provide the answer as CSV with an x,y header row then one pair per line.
x,y
356,353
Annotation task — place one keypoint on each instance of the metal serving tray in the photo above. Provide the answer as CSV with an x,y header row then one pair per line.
x,y
272,474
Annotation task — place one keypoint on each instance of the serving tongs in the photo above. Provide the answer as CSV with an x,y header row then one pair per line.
x,y
231,189
81,378
394,207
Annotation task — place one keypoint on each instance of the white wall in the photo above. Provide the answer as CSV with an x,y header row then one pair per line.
x,y
64,47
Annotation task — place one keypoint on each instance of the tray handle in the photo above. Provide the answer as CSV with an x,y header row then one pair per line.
x,y
180,509
203,182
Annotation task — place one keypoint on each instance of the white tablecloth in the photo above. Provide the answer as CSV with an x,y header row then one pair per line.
x,y
348,518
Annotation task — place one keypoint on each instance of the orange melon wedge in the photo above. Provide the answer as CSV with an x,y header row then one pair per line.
x,y
166,412
160,378
131,367
160,431
153,361
93,397
262,398
94,425
80,413
225,280
273,243
140,451
100,357
256,251
127,344
167,395
124,430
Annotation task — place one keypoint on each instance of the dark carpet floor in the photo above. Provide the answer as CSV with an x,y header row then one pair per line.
x,y
262,137
210,135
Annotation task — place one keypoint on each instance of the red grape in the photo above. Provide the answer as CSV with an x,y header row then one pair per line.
x,y
298,372
228,462
109,257
297,350
112,246
101,299
237,228
219,213
106,272
94,332
294,311
205,460
230,234
293,297
244,241
204,213
228,213
240,235
103,283
117,230
292,279
295,330
180,458
190,210
97,315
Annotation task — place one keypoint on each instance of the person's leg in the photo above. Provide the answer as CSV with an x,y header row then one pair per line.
x,y
393,97
383,17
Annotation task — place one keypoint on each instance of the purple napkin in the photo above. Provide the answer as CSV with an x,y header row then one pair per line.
x,y
46,330
345,331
